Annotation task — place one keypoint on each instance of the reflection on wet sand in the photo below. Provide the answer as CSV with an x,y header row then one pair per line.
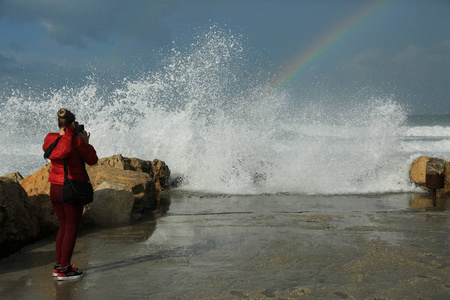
x,y
65,289
256,247
425,200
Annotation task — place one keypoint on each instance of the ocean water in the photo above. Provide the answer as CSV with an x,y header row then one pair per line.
x,y
220,124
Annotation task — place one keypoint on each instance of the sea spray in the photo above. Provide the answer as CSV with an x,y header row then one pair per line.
x,y
218,124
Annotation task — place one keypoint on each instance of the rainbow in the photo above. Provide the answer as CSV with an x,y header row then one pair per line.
x,y
325,42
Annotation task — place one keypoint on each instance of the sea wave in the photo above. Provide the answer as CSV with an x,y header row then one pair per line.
x,y
428,147
221,127
428,131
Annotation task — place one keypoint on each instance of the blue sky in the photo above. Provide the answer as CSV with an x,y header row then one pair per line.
x,y
404,49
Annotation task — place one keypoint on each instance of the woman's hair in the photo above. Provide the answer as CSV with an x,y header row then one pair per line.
x,y
65,118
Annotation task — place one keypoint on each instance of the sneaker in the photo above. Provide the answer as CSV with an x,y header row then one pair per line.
x,y
68,273
57,267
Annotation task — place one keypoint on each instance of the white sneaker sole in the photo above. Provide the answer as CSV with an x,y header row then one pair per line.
x,y
70,277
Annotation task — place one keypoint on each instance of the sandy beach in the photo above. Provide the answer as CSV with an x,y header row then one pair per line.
x,y
392,246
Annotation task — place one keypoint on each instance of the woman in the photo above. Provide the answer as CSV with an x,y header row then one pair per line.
x,y
74,148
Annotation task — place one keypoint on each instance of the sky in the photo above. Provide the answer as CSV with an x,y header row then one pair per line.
x,y
317,48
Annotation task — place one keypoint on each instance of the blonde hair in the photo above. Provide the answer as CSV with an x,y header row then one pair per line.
x,y
65,118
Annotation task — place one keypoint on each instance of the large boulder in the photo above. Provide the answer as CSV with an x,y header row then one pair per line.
x,y
18,225
418,172
134,173
112,205
157,169
146,180
141,184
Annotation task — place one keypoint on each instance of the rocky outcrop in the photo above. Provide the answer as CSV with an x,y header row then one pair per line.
x,y
141,184
18,224
146,179
417,172
156,169
124,187
112,205
124,163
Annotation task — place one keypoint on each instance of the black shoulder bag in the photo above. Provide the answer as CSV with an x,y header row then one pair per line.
x,y
77,192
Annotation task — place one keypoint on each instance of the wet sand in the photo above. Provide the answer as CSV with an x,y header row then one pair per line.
x,y
258,247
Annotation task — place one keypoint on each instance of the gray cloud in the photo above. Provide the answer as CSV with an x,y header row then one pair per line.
x,y
425,62
16,47
420,74
71,22
413,62
8,64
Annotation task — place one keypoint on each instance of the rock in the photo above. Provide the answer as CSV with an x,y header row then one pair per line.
x,y
139,165
26,210
135,173
417,172
123,163
161,174
157,169
37,183
38,189
112,205
18,225
141,184
109,169
14,176
116,161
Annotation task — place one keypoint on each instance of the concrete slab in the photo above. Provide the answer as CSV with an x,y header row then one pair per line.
x,y
255,247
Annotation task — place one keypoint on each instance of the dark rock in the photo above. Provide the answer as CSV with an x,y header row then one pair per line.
x,y
18,225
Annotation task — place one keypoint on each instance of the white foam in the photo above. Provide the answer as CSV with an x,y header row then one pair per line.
x,y
439,148
428,131
221,128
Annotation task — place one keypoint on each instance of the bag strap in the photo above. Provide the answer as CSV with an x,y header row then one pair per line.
x,y
66,172
50,148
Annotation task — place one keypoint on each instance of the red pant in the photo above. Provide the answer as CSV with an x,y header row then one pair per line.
x,y
69,217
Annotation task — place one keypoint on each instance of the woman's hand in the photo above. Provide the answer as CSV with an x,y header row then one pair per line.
x,y
85,136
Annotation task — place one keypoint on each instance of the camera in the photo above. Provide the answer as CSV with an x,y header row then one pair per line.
x,y
79,127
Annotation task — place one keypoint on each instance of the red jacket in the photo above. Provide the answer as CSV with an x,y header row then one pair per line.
x,y
72,148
